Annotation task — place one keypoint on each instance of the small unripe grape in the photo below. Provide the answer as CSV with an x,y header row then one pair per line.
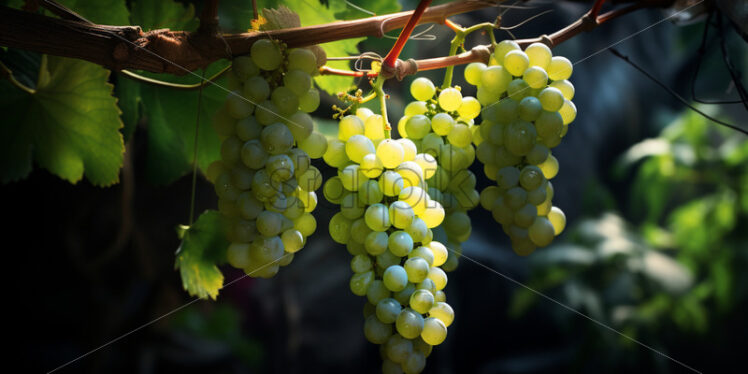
x,y
422,89
560,68
450,99
516,62
473,72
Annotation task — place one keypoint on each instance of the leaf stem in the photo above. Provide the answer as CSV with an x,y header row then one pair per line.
x,y
391,58
379,91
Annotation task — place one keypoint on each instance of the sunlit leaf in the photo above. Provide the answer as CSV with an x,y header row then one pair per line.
x,y
202,248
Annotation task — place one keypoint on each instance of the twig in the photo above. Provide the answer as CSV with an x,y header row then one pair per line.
x,y
391,58
596,8
209,18
675,94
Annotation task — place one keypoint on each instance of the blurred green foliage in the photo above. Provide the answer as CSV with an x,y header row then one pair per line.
x,y
669,265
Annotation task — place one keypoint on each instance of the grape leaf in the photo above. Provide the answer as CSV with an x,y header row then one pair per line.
x,y
378,7
108,12
151,15
69,126
171,114
236,15
202,247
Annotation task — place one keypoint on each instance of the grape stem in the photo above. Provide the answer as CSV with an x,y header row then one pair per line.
x,y
379,91
596,8
389,62
459,39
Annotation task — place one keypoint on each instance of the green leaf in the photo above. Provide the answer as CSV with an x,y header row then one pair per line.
x,y
236,15
69,126
378,7
202,248
128,93
163,14
107,12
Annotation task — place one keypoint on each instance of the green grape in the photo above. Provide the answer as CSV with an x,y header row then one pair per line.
x,y
417,230
306,224
537,154
519,137
302,59
279,167
442,123
266,113
488,196
515,197
496,134
374,127
531,177
417,269
298,81
418,126
502,48
557,219
538,195
398,348
541,232
450,100
427,163
560,68
549,167
285,100
518,89
364,113
525,215
535,77
566,88
391,183
360,283
266,54
361,263
432,144
371,165
276,139
248,129
403,297
515,62
460,136
309,101
411,173
377,291
395,278
414,364
415,198
376,331
293,240
485,152
386,260
351,177
231,150
433,215
335,154
269,223
421,301
399,243
456,223
340,228
315,145
350,207
388,309
422,89
401,214
439,277
409,149
401,126
333,190
551,99
244,68
568,112
357,147
256,89
377,217
495,80
486,97
390,152
506,110
470,108
238,255
415,107
376,243
473,73
409,324
253,154
539,55
350,125
434,332
370,193
311,179
440,297
443,312
359,231
237,106
424,253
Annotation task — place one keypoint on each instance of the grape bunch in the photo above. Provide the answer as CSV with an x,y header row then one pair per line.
x,y
264,180
527,111
442,127
386,220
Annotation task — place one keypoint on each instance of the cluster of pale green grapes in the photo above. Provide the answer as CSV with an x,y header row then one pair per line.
x,y
386,219
527,110
442,128
264,180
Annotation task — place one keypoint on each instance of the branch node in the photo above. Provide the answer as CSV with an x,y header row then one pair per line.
x,y
545,39
482,51
589,22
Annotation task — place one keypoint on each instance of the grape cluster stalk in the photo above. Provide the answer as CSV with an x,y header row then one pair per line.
x,y
386,222
264,180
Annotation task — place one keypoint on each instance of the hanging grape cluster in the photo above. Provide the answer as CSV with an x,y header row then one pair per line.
x,y
386,219
264,180
442,127
527,110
